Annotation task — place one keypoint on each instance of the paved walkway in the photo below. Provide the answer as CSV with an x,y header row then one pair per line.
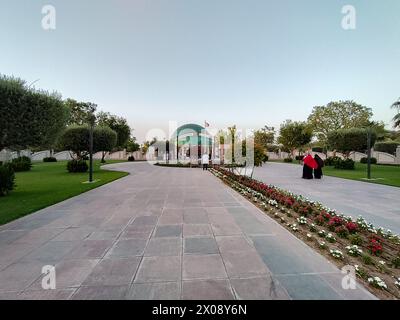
x,y
378,204
162,233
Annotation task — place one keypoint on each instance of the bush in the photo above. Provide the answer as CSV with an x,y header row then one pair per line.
x,y
289,160
388,147
49,159
7,178
331,161
77,166
265,158
396,262
131,158
299,158
21,164
318,149
346,164
355,239
365,160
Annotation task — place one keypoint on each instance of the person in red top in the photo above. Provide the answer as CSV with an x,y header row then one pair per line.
x,y
309,165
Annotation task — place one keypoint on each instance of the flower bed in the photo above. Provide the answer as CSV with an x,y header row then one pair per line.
x,y
374,252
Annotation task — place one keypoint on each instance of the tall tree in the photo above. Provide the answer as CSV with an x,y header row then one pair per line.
x,y
338,115
118,124
396,118
80,113
347,140
265,136
28,117
132,145
294,135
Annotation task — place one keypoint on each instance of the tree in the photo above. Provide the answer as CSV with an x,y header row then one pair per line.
x,y
118,124
104,140
338,115
259,152
76,139
347,140
294,135
396,118
80,113
264,136
147,144
28,117
132,145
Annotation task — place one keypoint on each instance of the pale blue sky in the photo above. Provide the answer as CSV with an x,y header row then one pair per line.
x,y
251,63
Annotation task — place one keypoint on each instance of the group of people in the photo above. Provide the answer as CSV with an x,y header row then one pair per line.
x,y
311,164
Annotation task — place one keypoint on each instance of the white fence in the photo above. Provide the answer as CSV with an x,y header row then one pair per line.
x,y
6,155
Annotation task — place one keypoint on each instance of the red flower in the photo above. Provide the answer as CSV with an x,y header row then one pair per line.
x,y
352,227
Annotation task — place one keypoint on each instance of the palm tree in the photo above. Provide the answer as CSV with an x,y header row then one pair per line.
x,y
396,118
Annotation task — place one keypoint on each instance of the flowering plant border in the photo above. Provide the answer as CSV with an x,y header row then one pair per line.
x,y
345,241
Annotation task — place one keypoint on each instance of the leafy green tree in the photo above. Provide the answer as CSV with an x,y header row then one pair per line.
x,y
28,117
264,136
294,135
347,140
259,152
80,113
104,140
396,118
338,115
132,145
118,124
76,139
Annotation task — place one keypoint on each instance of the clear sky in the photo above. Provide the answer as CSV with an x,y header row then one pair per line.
x,y
244,62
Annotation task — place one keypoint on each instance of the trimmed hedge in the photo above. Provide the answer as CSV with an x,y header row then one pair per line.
x,y
346,164
365,160
288,160
7,178
388,147
21,164
49,159
74,166
131,158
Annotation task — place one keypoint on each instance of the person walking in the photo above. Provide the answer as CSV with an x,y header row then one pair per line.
x,y
318,171
205,161
308,165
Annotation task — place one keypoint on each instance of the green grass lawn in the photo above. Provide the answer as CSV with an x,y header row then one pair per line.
x,y
47,184
384,174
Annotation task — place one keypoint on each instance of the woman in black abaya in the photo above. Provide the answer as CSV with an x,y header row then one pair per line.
x,y
309,165
318,171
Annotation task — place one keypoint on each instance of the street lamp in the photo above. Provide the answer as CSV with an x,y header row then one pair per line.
x,y
92,119
369,153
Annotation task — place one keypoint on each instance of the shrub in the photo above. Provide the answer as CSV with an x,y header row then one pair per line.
x,y
342,232
299,158
7,178
367,259
288,160
346,164
365,160
396,262
21,164
265,158
318,149
388,147
49,159
330,161
355,239
131,158
77,166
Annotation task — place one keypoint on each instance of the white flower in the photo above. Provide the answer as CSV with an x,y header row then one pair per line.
x,y
382,262
377,282
302,220
336,254
354,250
397,282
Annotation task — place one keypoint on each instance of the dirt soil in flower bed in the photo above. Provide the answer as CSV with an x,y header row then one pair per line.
x,y
290,210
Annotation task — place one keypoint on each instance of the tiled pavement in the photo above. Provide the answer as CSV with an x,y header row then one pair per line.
x,y
162,233
378,204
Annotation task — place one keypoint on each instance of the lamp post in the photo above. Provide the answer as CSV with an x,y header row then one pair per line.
x,y
92,119
369,153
